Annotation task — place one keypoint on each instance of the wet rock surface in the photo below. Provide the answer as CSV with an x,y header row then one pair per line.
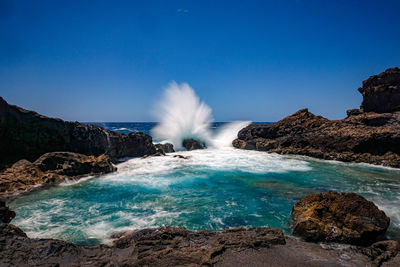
x,y
192,144
49,169
338,217
369,137
164,148
28,135
172,246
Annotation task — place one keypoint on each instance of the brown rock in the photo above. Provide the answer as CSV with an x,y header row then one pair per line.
x,y
338,217
368,137
28,135
361,137
381,93
382,251
51,168
172,246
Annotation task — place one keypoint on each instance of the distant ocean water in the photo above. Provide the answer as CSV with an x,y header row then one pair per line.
x,y
215,188
145,127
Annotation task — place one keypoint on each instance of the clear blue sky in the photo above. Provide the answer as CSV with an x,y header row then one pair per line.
x,y
253,60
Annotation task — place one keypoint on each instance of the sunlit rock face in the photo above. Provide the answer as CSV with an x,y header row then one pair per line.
x,y
338,217
366,135
28,135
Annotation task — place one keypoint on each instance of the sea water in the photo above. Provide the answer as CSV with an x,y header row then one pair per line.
x,y
216,188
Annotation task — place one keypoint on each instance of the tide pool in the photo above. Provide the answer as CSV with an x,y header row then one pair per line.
x,y
212,189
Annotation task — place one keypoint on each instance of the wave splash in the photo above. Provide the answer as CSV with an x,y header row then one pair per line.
x,y
182,115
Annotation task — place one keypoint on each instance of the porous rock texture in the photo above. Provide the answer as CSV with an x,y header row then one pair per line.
x,y
338,217
381,93
173,246
27,135
367,137
370,134
49,169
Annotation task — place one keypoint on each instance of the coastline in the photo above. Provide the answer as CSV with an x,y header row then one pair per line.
x,y
300,133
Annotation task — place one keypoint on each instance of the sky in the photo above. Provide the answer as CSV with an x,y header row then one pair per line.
x,y
248,60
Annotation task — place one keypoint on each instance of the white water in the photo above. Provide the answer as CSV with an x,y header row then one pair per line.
x,y
182,115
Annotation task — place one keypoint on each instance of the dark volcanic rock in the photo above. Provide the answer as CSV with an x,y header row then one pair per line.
x,y
334,217
368,137
361,137
164,148
6,215
27,135
192,144
381,93
51,168
172,246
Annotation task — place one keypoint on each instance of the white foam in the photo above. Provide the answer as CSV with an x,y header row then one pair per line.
x,y
182,115
153,170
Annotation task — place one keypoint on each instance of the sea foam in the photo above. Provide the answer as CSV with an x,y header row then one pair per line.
x,y
182,116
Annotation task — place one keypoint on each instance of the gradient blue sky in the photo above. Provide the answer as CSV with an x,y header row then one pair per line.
x,y
253,60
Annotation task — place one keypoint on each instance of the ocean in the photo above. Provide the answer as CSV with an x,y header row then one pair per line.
x,y
216,188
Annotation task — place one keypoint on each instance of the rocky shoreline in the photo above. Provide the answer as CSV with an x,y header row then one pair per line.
x,y
28,135
370,134
173,246
350,228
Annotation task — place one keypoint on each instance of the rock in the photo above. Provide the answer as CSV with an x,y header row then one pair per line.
x,y
173,246
6,215
164,148
368,137
338,217
382,251
192,144
181,157
352,112
50,168
381,93
28,135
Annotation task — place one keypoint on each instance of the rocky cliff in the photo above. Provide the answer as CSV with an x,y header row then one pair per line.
x,y
381,93
371,137
27,135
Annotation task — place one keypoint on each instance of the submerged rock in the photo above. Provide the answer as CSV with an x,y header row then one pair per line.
x,y
28,135
361,137
338,217
192,144
51,168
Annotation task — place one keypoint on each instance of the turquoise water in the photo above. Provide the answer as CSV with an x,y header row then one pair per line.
x,y
213,189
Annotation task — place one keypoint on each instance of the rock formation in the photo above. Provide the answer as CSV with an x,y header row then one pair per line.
x,y
51,168
334,217
381,93
164,148
172,246
192,144
369,137
27,135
